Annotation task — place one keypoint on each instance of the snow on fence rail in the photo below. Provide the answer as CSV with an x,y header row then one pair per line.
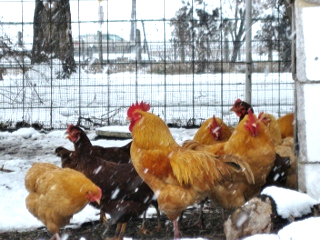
x,y
103,99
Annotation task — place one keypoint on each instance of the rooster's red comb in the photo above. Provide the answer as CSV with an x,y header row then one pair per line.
x,y
69,127
214,121
250,115
260,115
237,102
141,106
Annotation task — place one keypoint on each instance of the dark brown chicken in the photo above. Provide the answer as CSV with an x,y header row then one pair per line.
x,y
113,154
241,108
124,195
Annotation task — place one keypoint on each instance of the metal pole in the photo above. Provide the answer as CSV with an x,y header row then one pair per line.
x,y
133,23
165,62
248,49
145,41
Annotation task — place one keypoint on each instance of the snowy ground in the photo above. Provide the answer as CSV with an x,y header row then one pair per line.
x,y
19,149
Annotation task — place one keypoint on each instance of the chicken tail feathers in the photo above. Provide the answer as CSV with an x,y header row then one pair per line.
x,y
192,145
195,166
238,165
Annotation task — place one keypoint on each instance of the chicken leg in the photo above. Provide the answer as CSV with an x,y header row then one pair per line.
x,y
55,236
143,229
120,230
176,230
103,218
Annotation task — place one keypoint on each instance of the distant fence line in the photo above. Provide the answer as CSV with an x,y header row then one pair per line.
x,y
184,86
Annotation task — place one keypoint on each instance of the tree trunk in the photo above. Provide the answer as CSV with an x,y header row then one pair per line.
x,y
52,34
236,49
270,48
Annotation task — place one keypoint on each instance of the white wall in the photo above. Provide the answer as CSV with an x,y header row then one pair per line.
x,y
307,24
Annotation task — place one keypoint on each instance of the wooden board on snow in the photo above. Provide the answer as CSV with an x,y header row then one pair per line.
x,y
114,132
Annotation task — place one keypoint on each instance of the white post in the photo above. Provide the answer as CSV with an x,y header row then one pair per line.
x,y
248,49
307,76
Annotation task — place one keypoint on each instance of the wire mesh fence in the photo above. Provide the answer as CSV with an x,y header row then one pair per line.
x,y
185,79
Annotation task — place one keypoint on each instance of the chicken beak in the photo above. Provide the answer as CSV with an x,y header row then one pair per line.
x,y
98,201
66,135
232,109
216,135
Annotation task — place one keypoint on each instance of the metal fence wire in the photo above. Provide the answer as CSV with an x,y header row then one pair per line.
x,y
187,59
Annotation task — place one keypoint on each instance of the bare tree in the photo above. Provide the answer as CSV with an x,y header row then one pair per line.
x,y
194,30
236,27
276,31
52,34
12,54
204,20
182,30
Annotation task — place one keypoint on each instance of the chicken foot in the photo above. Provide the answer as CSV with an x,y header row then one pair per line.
x,y
55,236
200,221
143,229
103,218
159,227
120,230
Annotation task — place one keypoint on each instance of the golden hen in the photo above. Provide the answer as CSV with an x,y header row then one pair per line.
x,y
252,143
287,166
211,131
179,177
286,125
56,194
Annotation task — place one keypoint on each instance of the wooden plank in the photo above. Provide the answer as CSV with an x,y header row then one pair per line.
x,y
114,132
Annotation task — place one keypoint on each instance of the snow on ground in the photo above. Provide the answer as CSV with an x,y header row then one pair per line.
x,y
19,149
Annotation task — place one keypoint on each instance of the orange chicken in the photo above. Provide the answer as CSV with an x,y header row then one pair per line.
x,y
286,125
285,149
178,176
252,143
56,194
211,131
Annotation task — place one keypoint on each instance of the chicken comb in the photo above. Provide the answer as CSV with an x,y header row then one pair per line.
x,y
260,115
141,106
250,114
69,127
215,128
237,102
253,127
214,121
